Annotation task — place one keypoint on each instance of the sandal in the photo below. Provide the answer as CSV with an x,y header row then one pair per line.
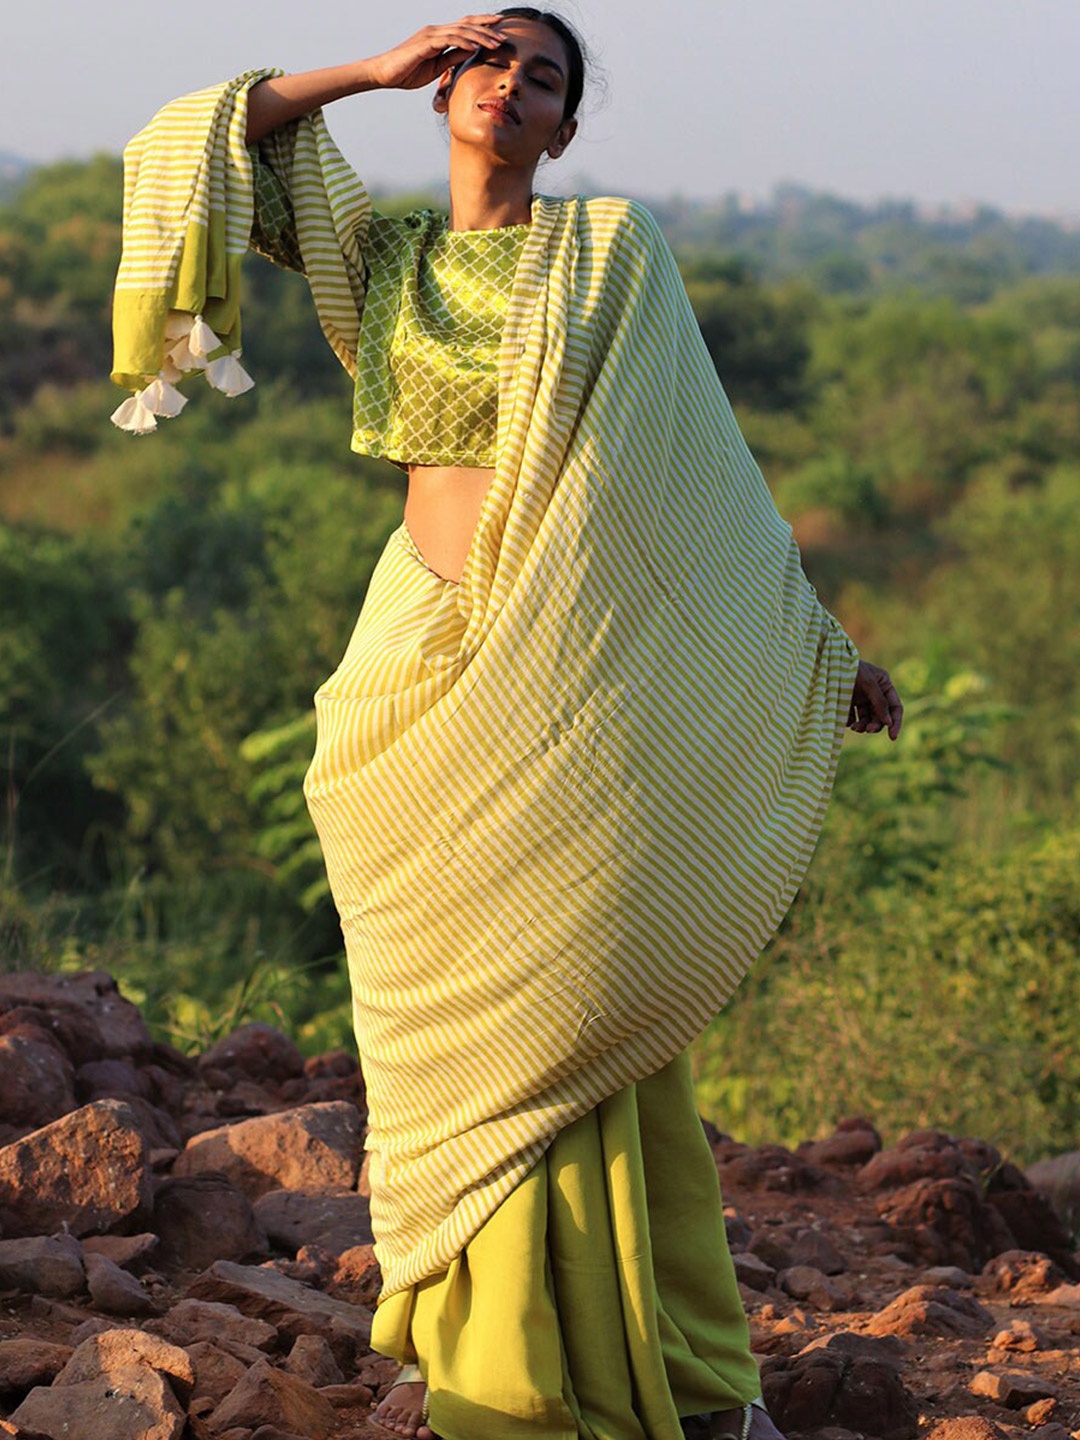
x,y
703,1427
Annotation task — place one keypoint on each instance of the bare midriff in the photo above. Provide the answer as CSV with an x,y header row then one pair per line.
x,y
441,512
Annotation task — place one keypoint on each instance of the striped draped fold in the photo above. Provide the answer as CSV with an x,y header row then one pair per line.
x,y
558,836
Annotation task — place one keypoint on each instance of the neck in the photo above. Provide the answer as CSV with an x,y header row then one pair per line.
x,y
486,197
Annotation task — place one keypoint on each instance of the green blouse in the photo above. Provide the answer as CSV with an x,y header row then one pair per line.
x,y
428,360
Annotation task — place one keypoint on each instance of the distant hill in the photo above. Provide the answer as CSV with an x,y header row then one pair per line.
x,y
845,247
13,168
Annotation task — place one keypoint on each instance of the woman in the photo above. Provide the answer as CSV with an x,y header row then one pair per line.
x,y
573,763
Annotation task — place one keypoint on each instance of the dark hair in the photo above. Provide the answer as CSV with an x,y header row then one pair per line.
x,y
575,50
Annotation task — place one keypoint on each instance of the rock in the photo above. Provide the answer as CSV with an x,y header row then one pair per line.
x,y
951,1276
133,1403
116,1350
803,1282
85,1172
257,1052
43,1265
1012,1390
348,1397
768,1167
1022,1336
1023,1274
1040,1411
27,1362
1058,1179
294,1218
266,1396
1034,1225
90,1017
92,1325
739,1233
217,1373
291,1307
809,1391
311,1359
111,1079
38,1081
1063,1295
191,1321
948,1222
931,1310
966,1427
128,1251
314,1148
753,1271
1053,1431
854,1142
357,1277
922,1155
884,1349
114,1290
203,1218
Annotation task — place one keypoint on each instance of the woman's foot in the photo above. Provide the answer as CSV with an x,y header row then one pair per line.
x,y
401,1410
721,1423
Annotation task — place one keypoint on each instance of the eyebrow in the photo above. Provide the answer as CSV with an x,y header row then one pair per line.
x,y
509,48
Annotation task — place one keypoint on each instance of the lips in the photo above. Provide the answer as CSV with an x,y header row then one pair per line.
x,y
501,107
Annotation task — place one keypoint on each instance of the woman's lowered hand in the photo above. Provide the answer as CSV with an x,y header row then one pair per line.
x,y
875,705
422,58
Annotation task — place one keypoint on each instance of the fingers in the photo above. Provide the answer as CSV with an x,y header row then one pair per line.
x,y
875,703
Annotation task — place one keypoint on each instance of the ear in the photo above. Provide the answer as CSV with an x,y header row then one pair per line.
x,y
440,101
565,133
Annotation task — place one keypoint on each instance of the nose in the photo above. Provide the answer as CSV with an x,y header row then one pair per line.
x,y
510,83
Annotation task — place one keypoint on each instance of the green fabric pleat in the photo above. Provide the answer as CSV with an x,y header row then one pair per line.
x,y
599,1302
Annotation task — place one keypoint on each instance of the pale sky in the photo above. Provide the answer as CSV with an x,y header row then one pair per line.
x,y
936,100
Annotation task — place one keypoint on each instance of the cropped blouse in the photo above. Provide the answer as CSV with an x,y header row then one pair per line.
x,y
427,364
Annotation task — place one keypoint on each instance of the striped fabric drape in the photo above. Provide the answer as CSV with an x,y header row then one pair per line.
x,y
559,832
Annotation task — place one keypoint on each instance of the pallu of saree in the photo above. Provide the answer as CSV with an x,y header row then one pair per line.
x,y
561,825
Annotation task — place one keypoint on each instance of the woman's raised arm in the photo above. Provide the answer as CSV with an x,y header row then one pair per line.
x,y
414,63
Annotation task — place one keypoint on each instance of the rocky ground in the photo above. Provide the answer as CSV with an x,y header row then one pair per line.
x,y
185,1252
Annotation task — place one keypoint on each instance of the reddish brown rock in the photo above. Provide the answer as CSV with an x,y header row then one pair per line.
x,y
203,1218
114,1290
854,1142
256,1052
1011,1389
129,1251
922,1155
884,1349
191,1321
932,1310
966,1427
768,1167
1021,1336
314,1148
357,1277
1023,1274
133,1403
217,1373
84,1173
1058,1179
86,1011
948,1222
348,1397
38,1081
111,1079
43,1265
29,1361
751,1270
1034,1224
311,1359
295,1218
114,1351
803,1282
267,1396
813,1390
291,1307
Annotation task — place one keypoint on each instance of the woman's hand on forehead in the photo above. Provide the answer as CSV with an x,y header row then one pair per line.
x,y
425,56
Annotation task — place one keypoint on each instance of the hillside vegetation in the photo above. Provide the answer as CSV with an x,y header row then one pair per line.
x,y
168,607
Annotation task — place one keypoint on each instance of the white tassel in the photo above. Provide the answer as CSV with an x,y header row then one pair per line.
x,y
134,416
184,358
228,375
178,324
162,398
202,340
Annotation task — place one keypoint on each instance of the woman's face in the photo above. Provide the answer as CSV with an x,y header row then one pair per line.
x,y
511,100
